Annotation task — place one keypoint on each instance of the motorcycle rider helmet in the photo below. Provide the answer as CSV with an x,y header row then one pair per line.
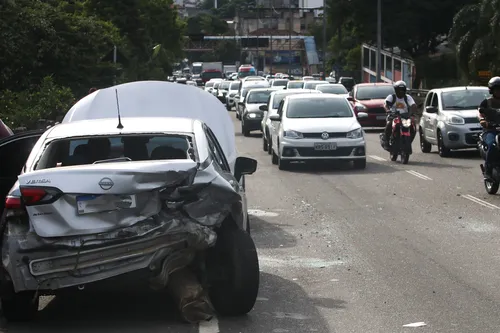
x,y
400,85
493,83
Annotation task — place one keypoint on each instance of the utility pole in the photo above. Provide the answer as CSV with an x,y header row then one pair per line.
x,y
290,40
271,42
379,38
115,56
324,40
258,39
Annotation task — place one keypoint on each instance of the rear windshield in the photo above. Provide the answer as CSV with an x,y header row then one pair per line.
x,y
332,89
374,92
312,85
235,86
224,85
295,85
258,97
318,108
80,151
279,97
211,75
209,84
280,83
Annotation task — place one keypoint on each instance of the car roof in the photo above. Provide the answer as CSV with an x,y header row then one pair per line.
x,y
449,89
255,83
281,80
304,96
374,84
131,125
315,81
293,91
263,89
330,85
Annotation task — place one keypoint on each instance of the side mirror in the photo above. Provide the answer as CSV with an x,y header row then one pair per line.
x,y
275,117
431,109
244,166
263,108
284,88
350,98
362,115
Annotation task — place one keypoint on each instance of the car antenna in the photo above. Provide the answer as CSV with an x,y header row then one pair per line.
x,y
120,126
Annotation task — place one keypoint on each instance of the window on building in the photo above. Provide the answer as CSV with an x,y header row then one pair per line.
x,y
373,57
366,57
397,65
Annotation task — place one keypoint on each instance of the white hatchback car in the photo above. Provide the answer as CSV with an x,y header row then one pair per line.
x,y
317,127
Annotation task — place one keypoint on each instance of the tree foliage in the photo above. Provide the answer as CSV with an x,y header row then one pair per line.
x,y
65,47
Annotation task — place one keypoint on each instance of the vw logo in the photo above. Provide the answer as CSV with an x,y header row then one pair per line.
x,y
106,184
325,135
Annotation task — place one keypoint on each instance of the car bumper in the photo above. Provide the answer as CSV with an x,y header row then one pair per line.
x,y
373,120
303,149
461,136
253,124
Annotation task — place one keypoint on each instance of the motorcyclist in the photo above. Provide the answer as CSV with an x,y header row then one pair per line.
x,y
487,123
403,103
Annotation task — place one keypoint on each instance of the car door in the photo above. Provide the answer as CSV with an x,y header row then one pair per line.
x,y
424,123
264,117
275,126
14,151
433,120
222,166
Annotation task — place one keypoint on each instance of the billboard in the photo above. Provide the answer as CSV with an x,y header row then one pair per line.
x,y
283,57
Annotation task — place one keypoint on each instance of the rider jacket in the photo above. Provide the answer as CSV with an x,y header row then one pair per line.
x,y
487,104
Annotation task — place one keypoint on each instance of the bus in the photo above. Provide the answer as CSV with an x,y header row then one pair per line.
x,y
246,70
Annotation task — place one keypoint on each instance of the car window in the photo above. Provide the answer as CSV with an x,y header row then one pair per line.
x,y
209,84
374,92
80,151
258,97
435,100
318,108
428,99
332,89
224,85
216,85
312,85
295,85
463,99
235,86
215,150
280,83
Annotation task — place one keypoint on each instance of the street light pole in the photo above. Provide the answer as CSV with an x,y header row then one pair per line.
x,y
290,40
379,39
324,39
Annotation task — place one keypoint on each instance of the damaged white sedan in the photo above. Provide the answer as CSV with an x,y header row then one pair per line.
x,y
157,195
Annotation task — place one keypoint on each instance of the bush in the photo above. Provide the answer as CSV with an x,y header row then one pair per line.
x,y
26,108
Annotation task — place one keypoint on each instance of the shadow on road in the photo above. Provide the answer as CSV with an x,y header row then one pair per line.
x,y
284,306
268,235
126,311
340,168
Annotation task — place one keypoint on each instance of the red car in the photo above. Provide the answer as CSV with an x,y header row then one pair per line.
x,y
5,131
369,98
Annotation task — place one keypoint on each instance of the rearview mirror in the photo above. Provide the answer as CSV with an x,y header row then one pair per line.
x,y
431,109
362,115
263,108
275,117
244,166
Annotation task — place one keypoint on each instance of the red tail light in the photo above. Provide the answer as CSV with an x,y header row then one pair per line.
x,y
39,195
13,203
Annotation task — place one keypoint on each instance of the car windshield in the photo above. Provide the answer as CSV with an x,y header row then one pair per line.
x,y
280,83
224,85
318,108
80,151
463,99
235,86
311,85
258,97
295,85
279,97
374,92
332,89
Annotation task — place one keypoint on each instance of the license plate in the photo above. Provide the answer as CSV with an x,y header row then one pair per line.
x,y
88,204
325,146
381,117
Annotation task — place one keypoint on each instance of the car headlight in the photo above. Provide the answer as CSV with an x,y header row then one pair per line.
x,y
293,134
356,134
455,120
252,115
360,107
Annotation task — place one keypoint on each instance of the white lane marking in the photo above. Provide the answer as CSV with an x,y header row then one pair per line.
x,y
479,201
418,174
211,326
375,157
266,261
261,213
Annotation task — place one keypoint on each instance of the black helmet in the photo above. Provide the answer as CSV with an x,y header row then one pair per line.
x,y
400,85
493,83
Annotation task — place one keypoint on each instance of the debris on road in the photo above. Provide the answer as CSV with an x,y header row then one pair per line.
x,y
419,324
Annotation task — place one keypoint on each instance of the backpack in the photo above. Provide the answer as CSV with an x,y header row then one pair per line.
x,y
394,101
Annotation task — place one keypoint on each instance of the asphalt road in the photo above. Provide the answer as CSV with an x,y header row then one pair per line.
x,y
344,251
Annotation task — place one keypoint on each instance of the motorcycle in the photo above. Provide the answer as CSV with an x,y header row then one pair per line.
x,y
491,184
401,137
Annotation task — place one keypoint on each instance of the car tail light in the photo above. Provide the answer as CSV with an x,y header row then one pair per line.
x,y
39,195
13,203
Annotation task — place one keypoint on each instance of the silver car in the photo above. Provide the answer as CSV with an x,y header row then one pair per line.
x,y
253,112
450,119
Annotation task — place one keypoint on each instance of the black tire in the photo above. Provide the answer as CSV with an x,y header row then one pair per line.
x,y
425,146
228,108
270,147
442,150
20,307
491,186
274,158
359,164
283,164
236,294
244,130
264,143
248,225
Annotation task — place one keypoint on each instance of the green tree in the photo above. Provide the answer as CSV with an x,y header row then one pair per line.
x,y
206,24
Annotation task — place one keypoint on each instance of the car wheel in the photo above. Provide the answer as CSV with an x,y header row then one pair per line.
x,y
443,151
244,129
248,224
425,146
264,143
20,307
360,164
491,186
274,158
235,291
269,146
228,108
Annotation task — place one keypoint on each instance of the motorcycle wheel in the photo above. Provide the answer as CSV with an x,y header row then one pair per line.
x,y
491,186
